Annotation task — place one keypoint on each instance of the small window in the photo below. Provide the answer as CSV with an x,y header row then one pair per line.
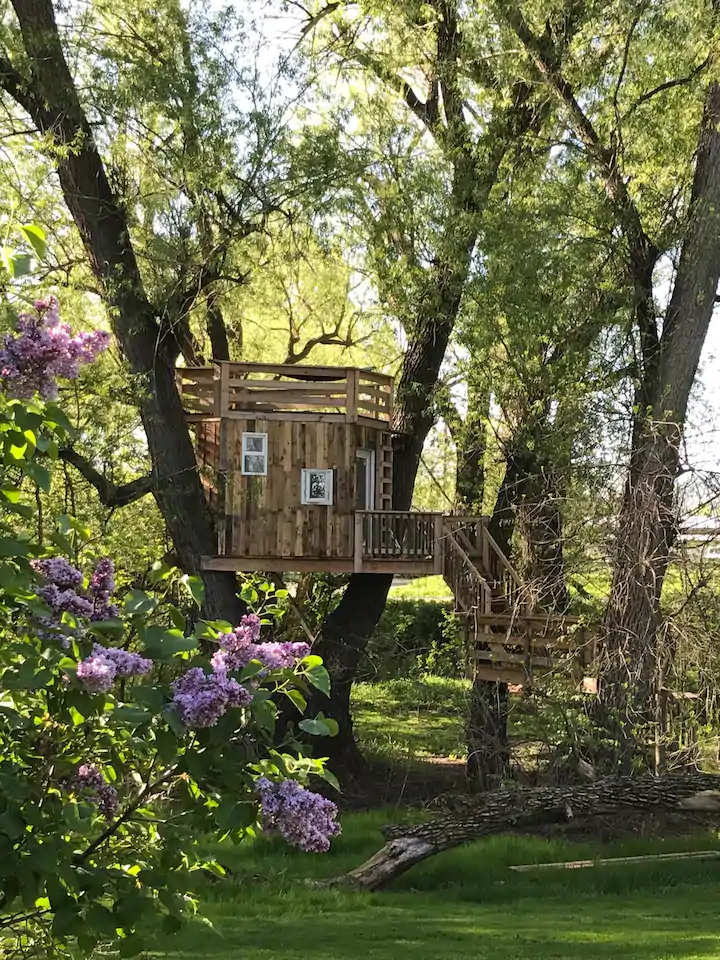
x,y
317,487
254,454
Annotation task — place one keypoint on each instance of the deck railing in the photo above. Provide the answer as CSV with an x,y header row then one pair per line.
x,y
397,534
239,389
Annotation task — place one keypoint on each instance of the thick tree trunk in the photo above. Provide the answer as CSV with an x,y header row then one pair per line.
x,y
50,97
415,411
633,660
522,809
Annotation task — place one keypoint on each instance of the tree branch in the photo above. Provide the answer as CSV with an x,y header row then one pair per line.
x,y
111,495
643,253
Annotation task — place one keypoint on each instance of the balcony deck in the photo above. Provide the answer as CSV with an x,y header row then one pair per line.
x,y
286,392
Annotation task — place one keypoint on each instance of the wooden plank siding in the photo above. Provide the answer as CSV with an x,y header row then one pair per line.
x,y
263,515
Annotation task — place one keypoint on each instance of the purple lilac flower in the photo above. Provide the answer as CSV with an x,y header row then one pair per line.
x,y
42,348
302,817
99,671
240,646
102,586
126,664
90,778
65,601
59,571
97,674
63,592
202,698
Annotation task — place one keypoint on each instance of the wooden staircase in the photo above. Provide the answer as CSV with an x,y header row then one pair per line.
x,y
508,639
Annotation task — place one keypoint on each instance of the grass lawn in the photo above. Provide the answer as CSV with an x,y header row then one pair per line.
x,y
401,719
465,903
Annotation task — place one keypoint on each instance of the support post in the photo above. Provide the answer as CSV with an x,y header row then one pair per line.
x,y
438,546
351,395
222,402
358,544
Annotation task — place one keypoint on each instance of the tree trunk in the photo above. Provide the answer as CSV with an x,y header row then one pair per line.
x,y
363,602
632,658
50,97
522,809
488,757
471,446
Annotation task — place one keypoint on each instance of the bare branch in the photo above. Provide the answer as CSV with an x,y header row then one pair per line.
x,y
111,495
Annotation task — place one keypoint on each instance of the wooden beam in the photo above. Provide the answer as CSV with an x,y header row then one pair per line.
x,y
398,566
612,861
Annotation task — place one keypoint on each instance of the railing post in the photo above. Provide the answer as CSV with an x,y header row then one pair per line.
x,y
351,395
485,550
358,544
438,545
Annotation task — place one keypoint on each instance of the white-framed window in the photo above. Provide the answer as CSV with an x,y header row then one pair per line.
x,y
254,454
317,487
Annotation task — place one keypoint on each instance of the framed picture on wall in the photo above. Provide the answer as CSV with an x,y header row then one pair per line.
x,y
254,454
317,487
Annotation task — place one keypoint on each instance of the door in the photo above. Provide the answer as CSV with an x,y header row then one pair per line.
x,y
365,480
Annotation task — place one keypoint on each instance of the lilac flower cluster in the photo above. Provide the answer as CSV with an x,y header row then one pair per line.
x,y
99,671
240,646
302,817
90,780
42,349
202,698
102,587
63,590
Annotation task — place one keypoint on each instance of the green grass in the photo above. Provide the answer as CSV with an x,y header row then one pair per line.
x,y
423,588
465,903
407,718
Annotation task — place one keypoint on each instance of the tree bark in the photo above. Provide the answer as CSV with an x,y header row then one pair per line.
x,y
471,446
633,658
509,811
49,95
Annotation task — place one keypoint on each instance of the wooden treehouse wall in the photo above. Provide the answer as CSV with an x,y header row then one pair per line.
x,y
263,516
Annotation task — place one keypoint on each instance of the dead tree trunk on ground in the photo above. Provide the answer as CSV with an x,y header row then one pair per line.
x,y
507,811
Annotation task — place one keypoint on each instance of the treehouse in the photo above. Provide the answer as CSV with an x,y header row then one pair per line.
x,y
297,465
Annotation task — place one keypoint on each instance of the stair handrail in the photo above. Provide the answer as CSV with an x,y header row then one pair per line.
x,y
502,558
471,569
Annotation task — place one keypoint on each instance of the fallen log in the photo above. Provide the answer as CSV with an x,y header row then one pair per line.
x,y
510,810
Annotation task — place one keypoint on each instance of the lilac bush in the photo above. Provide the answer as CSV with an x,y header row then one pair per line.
x,y
42,349
303,818
64,592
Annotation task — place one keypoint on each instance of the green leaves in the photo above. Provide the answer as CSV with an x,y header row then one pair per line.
x,y
162,644
138,604
321,726
195,589
35,236
312,668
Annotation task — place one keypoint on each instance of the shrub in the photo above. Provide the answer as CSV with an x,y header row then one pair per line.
x,y
415,637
